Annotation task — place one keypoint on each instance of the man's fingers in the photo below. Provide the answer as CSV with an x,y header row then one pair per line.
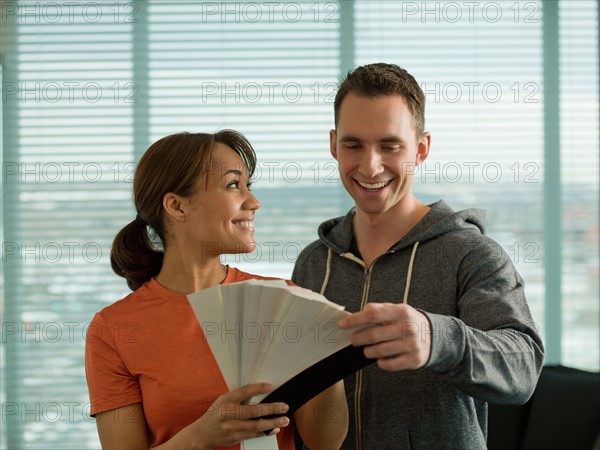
x,y
399,331
374,313
395,355
402,361
385,350
373,335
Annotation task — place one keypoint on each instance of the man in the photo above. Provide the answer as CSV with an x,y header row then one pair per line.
x,y
452,327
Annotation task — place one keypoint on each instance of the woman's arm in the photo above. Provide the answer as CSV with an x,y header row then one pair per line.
x,y
226,422
323,421
123,428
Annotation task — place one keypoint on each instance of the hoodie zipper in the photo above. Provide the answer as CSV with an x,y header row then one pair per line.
x,y
359,374
363,303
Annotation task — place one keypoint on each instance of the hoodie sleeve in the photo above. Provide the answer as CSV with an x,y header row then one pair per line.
x,y
492,350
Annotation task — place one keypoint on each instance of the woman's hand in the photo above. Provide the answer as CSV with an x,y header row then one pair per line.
x,y
230,420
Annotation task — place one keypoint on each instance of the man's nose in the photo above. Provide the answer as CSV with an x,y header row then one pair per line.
x,y
371,164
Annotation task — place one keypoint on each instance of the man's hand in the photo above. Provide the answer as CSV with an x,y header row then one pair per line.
x,y
400,339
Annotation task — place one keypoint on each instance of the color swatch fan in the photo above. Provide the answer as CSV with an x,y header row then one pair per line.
x,y
267,331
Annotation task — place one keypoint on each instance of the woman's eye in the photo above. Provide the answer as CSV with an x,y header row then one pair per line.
x,y
234,184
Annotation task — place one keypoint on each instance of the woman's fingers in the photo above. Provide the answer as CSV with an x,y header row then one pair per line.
x,y
248,391
257,410
240,430
235,411
233,405
255,428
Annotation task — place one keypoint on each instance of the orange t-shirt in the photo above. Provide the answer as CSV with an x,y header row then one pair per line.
x,y
149,348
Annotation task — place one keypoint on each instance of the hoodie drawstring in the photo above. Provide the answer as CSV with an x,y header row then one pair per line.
x,y
327,271
409,274
348,255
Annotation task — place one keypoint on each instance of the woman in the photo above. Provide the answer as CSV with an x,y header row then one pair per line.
x,y
152,378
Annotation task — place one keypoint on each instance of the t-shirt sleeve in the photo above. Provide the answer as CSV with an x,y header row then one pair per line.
x,y
110,384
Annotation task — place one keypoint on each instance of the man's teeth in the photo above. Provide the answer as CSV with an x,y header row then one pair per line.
x,y
373,185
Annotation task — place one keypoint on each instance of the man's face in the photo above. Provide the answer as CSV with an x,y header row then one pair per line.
x,y
376,148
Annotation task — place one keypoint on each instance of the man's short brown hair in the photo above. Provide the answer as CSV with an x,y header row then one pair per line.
x,y
378,80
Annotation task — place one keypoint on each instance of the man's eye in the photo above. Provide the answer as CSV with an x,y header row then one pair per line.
x,y
352,146
390,148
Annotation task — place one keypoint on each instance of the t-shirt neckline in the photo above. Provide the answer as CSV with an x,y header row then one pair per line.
x,y
158,288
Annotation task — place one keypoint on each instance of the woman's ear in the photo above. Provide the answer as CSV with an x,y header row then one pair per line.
x,y
174,206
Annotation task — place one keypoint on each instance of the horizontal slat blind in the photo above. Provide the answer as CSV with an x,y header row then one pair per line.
x,y
68,85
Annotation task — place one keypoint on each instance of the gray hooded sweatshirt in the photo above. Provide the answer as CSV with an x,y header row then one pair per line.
x,y
485,345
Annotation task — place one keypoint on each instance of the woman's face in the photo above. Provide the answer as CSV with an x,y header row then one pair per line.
x,y
220,216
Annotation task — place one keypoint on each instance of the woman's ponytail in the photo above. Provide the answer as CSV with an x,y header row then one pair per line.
x,y
133,255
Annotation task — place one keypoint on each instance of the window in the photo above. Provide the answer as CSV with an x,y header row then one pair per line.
x,y
579,145
87,86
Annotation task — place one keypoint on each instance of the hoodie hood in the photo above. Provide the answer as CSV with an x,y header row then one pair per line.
x,y
337,233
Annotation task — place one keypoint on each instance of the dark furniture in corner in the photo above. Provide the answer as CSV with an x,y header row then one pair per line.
x,y
563,413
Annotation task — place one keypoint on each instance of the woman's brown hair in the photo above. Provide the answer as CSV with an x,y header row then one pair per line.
x,y
172,164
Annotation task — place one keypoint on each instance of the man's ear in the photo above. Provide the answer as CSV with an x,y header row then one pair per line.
x,y
332,143
423,148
